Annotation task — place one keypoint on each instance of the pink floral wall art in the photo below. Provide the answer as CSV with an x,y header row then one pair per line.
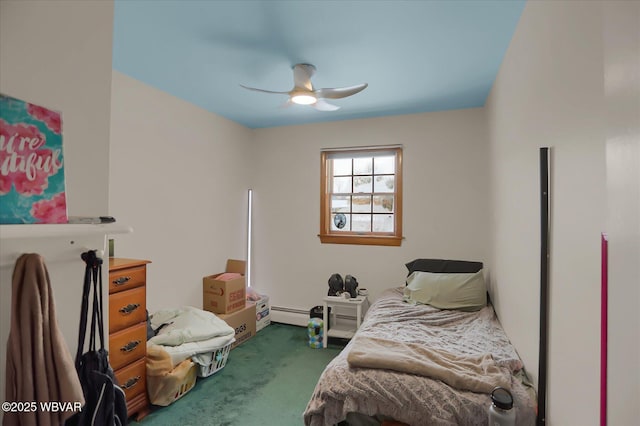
x,y
32,184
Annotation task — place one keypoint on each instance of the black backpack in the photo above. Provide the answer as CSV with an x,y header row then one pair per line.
x,y
336,285
105,403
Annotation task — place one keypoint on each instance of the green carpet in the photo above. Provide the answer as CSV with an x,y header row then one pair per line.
x,y
267,380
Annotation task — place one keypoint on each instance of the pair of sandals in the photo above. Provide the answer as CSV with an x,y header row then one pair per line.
x,y
337,285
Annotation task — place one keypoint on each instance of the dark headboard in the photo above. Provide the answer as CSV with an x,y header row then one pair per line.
x,y
444,266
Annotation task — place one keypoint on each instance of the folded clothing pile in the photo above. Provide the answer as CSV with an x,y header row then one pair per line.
x,y
185,337
189,332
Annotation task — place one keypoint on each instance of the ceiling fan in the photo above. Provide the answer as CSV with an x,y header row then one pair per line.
x,y
303,92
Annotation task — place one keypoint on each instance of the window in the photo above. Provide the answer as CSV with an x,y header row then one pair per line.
x,y
361,196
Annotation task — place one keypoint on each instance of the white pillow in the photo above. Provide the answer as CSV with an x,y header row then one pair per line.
x,y
466,292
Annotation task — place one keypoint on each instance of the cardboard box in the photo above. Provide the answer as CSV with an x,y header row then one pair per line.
x,y
263,313
224,297
243,322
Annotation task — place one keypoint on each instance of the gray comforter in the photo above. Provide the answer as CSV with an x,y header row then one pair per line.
x,y
411,398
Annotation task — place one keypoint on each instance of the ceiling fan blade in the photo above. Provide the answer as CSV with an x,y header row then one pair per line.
x,y
302,75
341,92
263,91
322,105
286,104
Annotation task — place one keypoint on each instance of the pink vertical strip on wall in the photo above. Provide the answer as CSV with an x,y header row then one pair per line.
x,y
603,330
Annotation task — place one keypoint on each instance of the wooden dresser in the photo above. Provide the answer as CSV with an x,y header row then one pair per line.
x,y
128,330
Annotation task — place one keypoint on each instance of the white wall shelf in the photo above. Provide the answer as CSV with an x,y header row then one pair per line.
x,y
12,232
61,245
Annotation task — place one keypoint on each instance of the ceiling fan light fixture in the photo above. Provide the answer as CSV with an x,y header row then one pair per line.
x,y
303,92
303,99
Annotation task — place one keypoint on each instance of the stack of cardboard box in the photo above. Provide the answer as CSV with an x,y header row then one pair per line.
x,y
227,299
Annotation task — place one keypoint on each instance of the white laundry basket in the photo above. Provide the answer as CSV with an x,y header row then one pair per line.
x,y
218,361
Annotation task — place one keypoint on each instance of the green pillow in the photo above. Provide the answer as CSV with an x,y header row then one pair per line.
x,y
466,292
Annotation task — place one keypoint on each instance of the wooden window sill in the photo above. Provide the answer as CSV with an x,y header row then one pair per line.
x,y
371,240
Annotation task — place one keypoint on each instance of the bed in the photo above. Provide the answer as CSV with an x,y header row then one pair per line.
x,y
364,385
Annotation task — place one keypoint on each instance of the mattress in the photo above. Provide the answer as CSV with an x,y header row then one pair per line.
x,y
347,392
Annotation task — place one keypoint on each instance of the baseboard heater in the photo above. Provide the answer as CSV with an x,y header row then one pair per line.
x,y
295,316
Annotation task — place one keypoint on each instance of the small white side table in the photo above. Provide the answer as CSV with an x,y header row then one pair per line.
x,y
341,330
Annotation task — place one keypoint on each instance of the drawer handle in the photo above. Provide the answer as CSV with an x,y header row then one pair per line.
x,y
131,383
130,346
126,310
121,280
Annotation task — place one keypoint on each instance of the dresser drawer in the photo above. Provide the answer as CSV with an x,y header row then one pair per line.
x,y
126,346
125,279
127,308
133,378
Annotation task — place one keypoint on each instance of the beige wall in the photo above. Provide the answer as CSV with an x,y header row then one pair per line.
x,y
445,207
58,54
550,92
179,176
622,101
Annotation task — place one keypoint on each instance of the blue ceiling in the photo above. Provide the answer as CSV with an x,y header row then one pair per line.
x,y
416,56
